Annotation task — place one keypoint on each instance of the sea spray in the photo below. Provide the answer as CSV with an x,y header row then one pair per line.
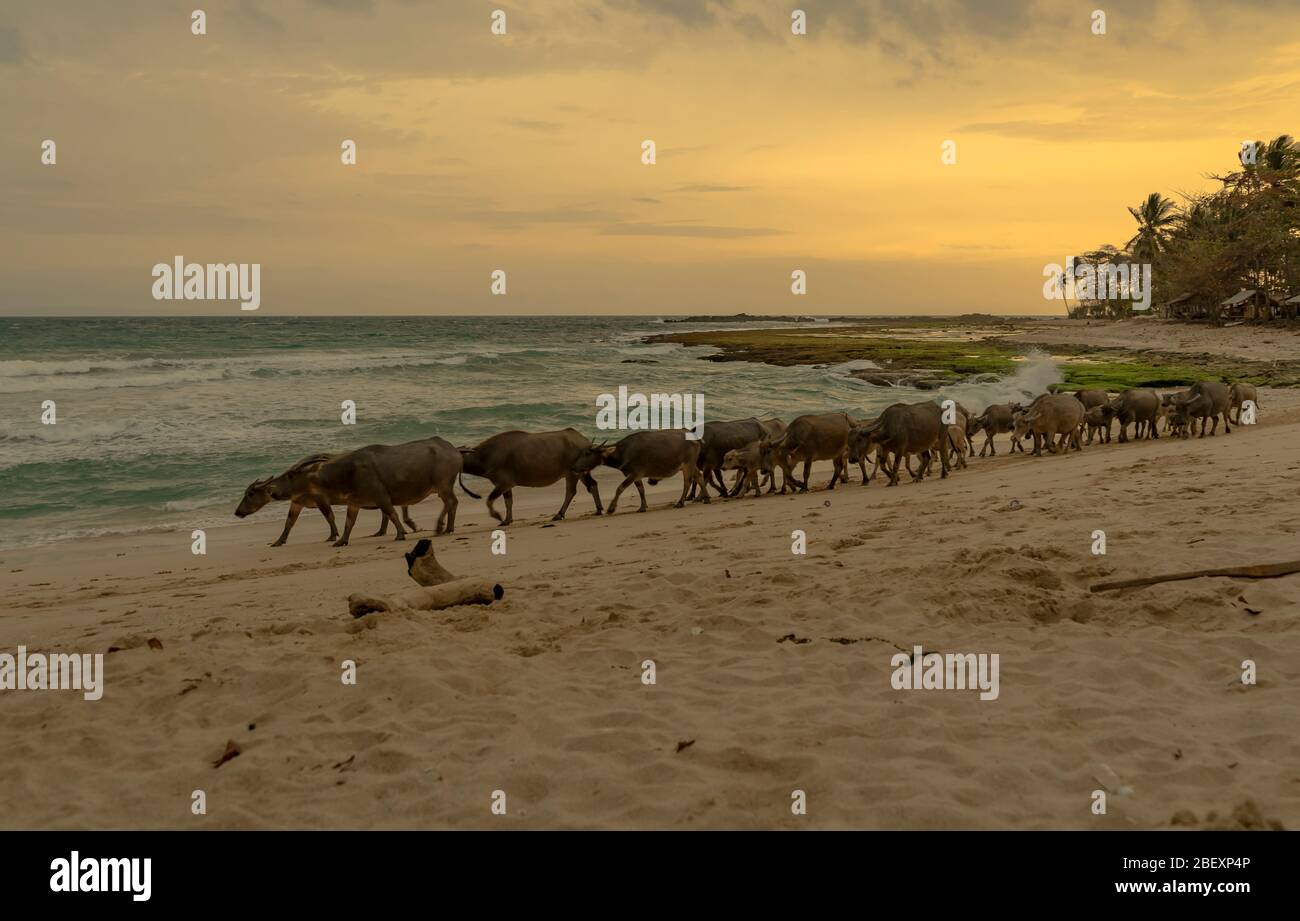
x,y
1036,374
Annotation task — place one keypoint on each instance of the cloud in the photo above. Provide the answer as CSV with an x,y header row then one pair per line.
x,y
509,219
688,12
712,187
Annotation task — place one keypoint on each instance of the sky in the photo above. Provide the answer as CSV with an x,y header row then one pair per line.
x,y
523,152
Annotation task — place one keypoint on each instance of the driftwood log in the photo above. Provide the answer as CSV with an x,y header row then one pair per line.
x,y
1256,571
428,598
438,588
422,565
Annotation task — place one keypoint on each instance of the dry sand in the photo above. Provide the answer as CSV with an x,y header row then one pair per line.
x,y
540,695
1277,342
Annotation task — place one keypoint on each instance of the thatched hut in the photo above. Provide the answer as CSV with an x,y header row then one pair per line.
x,y
1250,304
1183,307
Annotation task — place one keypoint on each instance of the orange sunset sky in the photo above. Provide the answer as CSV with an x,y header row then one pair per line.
x,y
523,152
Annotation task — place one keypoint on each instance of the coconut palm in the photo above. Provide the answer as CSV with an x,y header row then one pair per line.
x,y
1156,216
1281,154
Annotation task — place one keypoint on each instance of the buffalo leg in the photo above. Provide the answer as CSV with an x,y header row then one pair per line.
x,y
892,470
570,490
386,506
502,489
589,482
328,512
351,520
406,517
807,472
687,482
693,491
295,509
449,503
1226,430
702,479
627,481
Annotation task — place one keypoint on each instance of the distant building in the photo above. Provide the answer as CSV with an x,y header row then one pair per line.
x,y
1251,304
1183,307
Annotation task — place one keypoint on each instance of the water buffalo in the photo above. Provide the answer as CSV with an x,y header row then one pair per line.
x,y
748,464
1204,400
294,485
290,485
1239,394
382,476
532,459
811,438
965,419
1092,398
652,455
958,444
1098,420
720,437
901,430
1052,415
1141,406
996,420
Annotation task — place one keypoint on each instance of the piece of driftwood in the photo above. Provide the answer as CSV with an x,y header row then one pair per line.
x,y
428,598
422,565
1257,571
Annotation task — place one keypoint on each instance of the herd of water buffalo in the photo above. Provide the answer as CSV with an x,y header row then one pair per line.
x,y
386,477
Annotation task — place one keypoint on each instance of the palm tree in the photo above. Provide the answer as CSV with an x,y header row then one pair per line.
x,y
1155,216
1065,280
1281,154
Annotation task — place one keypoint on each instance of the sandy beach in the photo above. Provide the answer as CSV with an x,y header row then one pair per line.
x,y
773,670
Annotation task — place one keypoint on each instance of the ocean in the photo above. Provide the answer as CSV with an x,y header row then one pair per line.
x,y
162,422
